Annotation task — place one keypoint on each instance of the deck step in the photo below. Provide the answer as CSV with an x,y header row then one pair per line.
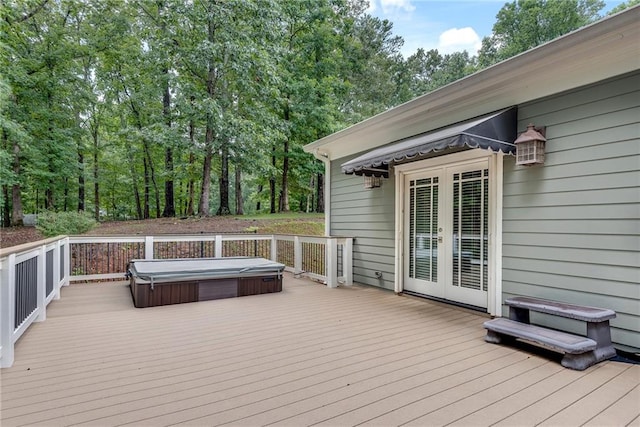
x,y
555,340
555,308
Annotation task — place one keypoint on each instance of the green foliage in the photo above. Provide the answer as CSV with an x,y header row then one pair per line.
x,y
525,24
120,106
52,224
624,5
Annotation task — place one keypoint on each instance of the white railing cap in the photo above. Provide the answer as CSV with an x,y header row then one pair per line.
x,y
25,247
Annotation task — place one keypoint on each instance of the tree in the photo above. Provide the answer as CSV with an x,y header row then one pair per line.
x,y
159,38
525,24
12,135
220,56
42,73
370,68
623,6
421,69
157,104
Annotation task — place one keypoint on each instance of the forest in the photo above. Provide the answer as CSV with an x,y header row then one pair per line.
x,y
160,108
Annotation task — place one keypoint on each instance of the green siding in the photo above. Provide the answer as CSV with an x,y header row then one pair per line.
x,y
369,216
571,228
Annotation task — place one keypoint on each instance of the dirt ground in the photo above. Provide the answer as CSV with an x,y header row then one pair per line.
x,y
306,225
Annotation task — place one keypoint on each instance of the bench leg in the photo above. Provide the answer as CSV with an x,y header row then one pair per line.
x,y
600,332
496,338
493,337
579,362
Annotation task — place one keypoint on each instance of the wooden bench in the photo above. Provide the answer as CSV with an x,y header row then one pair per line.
x,y
579,352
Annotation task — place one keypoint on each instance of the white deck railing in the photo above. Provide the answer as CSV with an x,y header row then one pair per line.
x,y
30,278
31,275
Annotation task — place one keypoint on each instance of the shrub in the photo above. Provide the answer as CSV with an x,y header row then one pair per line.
x,y
56,223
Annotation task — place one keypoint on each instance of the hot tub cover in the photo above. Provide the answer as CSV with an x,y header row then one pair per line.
x,y
166,270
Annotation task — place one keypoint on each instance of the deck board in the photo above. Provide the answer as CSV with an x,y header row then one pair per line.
x,y
307,355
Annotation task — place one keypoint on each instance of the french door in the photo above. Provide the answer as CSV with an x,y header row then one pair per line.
x,y
446,229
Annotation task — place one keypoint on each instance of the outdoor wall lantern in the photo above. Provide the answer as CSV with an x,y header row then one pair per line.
x,y
530,146
372,182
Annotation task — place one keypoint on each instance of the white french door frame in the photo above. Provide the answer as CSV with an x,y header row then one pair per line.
x,y
495,162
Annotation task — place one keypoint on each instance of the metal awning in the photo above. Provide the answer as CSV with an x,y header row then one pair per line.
x,y
495,132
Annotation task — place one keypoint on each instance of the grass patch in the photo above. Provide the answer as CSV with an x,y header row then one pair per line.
x,y
300,228
283,216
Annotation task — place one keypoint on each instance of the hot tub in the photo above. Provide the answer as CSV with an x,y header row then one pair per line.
x,y
173,281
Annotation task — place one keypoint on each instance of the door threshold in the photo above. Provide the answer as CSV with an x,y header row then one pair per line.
x,y
446,301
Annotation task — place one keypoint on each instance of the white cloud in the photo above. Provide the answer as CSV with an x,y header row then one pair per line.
x,y
391,6
459,39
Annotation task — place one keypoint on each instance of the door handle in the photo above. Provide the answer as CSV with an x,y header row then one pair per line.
x,y
439,239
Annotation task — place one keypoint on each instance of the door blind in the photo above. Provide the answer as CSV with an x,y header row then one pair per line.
x,y
470,229
423,225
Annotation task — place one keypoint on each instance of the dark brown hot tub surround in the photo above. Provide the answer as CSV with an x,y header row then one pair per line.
x,y
157,282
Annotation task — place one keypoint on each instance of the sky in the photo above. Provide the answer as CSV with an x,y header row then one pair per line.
x,y
446,25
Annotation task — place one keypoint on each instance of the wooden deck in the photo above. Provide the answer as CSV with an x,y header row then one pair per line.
x,y
309,355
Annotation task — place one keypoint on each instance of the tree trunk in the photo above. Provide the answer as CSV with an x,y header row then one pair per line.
x,y
224,180
147,188
149,171
65,195
312,187
152,176
169,202
16,193
95,136
6,209
272,182
192,158
16,204
96,183
203,206
81,189
284,191
238,182
48,196
132,170
48,192
260,187
191,188
320,193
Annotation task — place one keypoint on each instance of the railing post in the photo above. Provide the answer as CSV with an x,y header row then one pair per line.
x,y
41,284
297,255
56,270
274,248
331,261
67,264
148,247
218,247
7,309
347,261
